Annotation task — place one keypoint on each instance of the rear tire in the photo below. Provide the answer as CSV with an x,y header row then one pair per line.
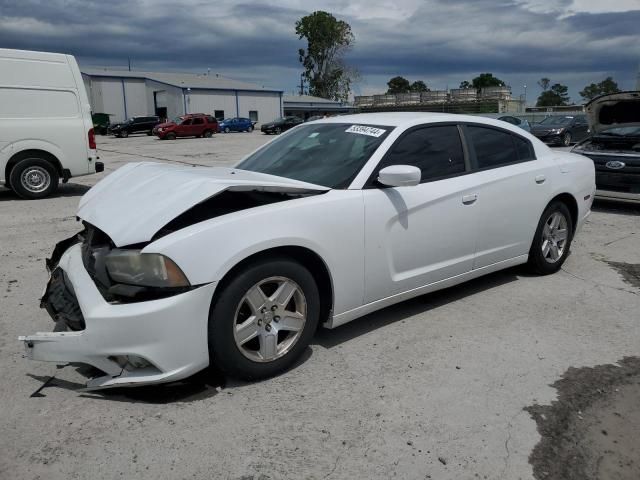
x,y
150,132
33,177
552,239
276,329
207,134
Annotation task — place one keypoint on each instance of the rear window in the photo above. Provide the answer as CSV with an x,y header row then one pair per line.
x,y
493,147
34,103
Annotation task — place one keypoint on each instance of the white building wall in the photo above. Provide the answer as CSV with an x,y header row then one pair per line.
x,y
135,93
267,104
207,101
172,97
108,98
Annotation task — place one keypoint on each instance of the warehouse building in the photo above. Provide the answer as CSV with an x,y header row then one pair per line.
x,y
306,106
123,94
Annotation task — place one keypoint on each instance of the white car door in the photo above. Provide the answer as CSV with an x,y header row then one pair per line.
x,y
513,188
421,234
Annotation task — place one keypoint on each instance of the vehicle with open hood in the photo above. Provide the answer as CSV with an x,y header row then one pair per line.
x,y
179,267
615,145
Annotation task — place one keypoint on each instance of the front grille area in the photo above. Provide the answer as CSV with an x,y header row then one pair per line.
x,y
61,303
626,180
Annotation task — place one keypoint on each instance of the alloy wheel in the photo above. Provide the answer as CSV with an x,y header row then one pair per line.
x,y
554,237
270,319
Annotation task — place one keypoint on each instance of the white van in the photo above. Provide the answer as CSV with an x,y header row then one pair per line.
x,y
46,131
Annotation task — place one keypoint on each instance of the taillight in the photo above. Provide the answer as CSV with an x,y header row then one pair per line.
x,y
92,139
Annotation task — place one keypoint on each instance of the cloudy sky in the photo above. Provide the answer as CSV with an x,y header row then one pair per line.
x,y
442,42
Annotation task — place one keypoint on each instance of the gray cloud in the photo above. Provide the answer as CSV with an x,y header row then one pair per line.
x,y
440,41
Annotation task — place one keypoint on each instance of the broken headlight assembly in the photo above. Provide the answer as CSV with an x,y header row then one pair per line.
x,y
131,267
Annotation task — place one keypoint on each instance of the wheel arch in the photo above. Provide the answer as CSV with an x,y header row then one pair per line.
x,y
45,155
303,255
571,203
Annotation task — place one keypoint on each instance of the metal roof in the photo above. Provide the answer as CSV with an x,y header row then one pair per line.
x,y
307,99
210,81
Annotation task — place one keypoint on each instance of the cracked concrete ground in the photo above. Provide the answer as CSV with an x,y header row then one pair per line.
x,y
431,388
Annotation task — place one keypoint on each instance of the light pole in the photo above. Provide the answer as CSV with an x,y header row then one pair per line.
x,y
525,97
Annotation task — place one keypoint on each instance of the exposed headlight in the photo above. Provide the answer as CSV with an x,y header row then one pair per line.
x,y
556,131
145,269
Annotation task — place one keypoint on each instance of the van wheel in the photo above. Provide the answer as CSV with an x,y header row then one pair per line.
x,y
33,178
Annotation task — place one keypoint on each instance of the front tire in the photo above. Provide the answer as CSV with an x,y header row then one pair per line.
x,y
33,177
226,130
170,136
263,319
552,239
566,139
124,134
250,129
278,130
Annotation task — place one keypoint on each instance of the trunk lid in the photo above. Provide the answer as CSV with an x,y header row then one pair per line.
x,y
137,200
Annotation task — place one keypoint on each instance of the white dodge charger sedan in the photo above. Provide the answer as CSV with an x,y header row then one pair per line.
x,y
180,267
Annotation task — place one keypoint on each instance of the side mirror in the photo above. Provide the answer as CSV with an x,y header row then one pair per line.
x,y
400,176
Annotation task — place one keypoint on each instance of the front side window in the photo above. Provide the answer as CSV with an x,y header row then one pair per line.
x,y
436,151
328,154
493,147
186,122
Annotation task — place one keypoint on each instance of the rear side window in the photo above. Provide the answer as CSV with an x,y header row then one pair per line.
x,y
524,149
493,147
198,121
211,120
436,151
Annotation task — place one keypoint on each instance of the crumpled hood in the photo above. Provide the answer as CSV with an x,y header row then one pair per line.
x,y
165,125
137,200
614,110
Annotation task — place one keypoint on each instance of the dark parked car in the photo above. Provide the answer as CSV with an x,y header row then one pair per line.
x,y
191,125
280,125
237,124
615,145
562,129
518,122
134,125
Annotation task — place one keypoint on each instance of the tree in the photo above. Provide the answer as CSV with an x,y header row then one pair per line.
x,y
544,84
465,84
486,80
608,85
328,39
419,86
556,96
398,85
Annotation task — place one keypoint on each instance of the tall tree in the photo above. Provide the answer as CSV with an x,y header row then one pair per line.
x,y
608,85
398,85
556,96
486,80
325,70
419,86
544,84
465,84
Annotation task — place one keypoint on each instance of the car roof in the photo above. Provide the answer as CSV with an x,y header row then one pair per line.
x,y
407,119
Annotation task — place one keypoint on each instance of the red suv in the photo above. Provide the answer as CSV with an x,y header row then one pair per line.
x,y
191,125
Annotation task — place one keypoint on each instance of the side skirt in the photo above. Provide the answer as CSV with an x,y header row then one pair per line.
x,y
345,317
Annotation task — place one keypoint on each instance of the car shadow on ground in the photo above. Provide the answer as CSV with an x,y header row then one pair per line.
x,y
330,338
64,190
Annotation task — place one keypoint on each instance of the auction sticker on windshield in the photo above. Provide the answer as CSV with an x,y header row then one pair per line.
x,y
364,130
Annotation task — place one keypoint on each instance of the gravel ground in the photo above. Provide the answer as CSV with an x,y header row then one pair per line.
x,y
432,388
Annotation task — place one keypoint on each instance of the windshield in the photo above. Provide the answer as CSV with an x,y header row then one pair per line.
x,y
178,120
622,132
556,121
327,154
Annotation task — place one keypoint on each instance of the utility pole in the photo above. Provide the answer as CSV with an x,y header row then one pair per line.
x,y
129,60
302,84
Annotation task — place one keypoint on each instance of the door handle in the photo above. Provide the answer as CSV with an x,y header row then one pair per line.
x,y
540,179
469,199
